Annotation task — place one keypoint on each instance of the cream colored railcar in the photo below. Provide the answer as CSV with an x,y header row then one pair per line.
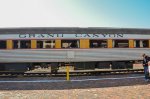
x,y
91,47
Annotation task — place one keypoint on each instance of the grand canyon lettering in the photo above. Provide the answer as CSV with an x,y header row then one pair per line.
x,y
42,36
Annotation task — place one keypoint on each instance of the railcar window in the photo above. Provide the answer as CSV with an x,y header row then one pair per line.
x,y
2,44
46,44
16,44
121,43
25,44
98,43
141,43
69,43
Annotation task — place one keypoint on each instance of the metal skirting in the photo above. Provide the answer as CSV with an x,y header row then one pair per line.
x,y
72,55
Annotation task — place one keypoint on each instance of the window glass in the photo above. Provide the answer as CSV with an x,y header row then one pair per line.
x,y
120,43
46,44
69,43
141,43
98,43
2,44
25,44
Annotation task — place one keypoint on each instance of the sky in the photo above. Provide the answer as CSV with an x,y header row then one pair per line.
x,y
75,13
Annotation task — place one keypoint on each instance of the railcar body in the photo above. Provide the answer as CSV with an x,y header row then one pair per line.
x,y
76,45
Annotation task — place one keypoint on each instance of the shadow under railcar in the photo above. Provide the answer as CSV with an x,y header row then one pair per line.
x,y
56,67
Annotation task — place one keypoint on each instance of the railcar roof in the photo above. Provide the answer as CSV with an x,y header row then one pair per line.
x,y
70,30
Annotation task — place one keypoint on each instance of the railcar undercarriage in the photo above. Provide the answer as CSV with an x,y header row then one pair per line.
x,y
55,67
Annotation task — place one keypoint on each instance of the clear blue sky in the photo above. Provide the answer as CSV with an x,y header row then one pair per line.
x,y
118,13
75,13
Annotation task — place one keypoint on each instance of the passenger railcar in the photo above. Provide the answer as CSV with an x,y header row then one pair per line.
x,y
83,47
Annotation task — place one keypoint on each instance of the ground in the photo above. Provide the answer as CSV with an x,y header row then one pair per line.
x,y
127,86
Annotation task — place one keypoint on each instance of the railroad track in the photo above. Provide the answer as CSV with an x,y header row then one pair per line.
x,y
72,73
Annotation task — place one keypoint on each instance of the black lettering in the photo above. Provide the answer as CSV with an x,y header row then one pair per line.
x,y
59,35
22,35
50,35
104,35
112,35
31,35
87,35
40,36
119,35
78,35
95,35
